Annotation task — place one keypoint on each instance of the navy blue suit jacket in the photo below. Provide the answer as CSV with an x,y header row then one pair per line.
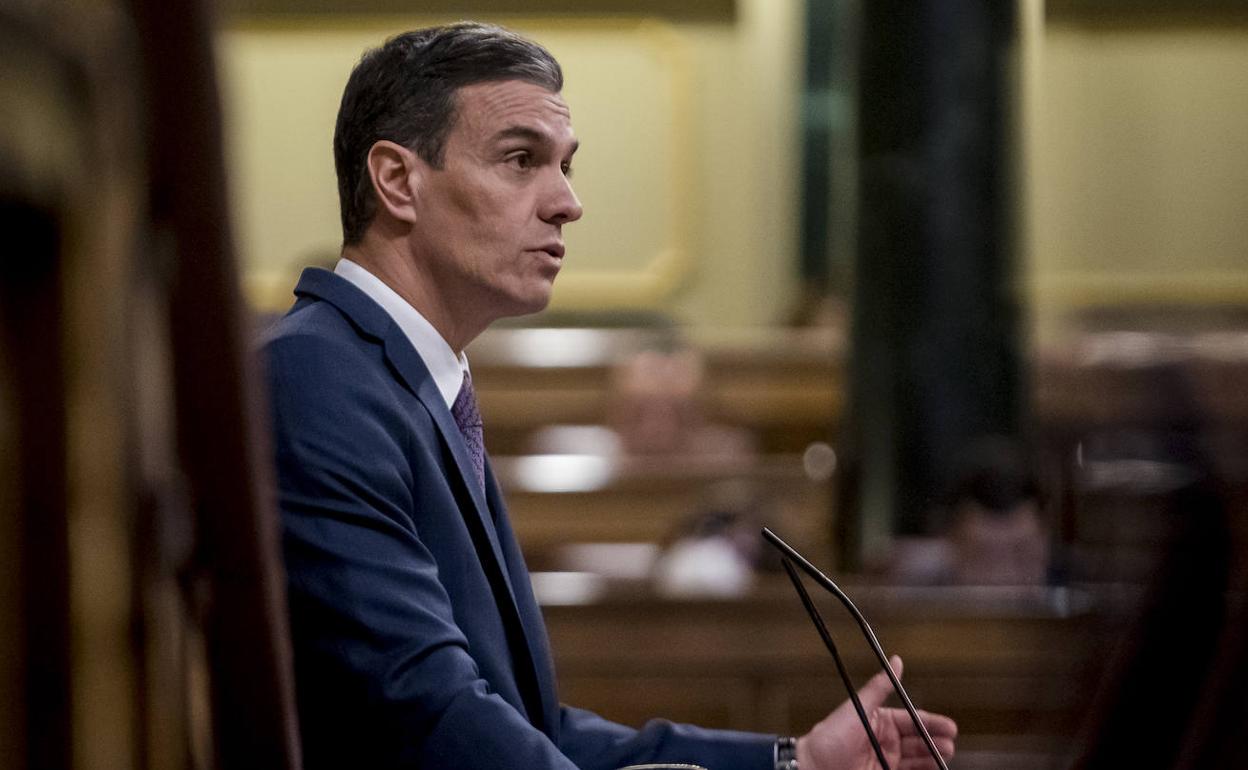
x,y
418,643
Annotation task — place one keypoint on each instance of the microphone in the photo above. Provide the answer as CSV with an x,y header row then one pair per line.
x,y
791,557
817,619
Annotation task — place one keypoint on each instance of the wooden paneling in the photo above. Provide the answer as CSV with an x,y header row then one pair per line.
x,y
787,387
1018,668
644,501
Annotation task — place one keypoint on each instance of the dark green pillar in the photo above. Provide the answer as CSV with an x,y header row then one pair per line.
x,y
935,328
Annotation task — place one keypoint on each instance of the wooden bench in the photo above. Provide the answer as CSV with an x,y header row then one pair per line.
x,y
558,499
1013,666
788,387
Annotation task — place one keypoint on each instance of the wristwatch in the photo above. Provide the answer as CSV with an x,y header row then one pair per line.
x,y
786,753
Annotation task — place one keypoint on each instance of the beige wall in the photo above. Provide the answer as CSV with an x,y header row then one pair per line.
x,y
687,170
1136,163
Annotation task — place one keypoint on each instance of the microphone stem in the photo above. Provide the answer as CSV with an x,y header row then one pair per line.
x,y
826,635
827,583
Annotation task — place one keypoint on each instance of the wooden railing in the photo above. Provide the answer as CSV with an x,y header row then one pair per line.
x,y
1014,667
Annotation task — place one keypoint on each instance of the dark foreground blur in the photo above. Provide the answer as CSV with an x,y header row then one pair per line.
x,y
1078,599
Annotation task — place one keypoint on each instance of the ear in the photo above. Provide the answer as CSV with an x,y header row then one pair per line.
x,y
395,172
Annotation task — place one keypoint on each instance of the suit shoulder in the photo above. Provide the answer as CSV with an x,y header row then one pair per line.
x,y
310,317
318,365
314,352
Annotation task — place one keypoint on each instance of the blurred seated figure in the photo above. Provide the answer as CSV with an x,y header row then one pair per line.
x,y
716,550
995,535
655,408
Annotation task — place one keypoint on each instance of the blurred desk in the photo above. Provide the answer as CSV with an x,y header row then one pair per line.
x,y
1014,667
1127,420
560,499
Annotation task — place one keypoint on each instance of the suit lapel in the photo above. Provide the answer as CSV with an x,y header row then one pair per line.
x,y
530,614
429,395
372,321
502,556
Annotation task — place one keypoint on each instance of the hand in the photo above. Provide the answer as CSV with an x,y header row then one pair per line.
x,y
840,743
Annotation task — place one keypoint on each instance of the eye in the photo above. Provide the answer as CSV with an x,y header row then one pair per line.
x,y
566,167
522,159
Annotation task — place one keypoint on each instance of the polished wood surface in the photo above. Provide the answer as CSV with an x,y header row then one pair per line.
x,y
648,500
1015,667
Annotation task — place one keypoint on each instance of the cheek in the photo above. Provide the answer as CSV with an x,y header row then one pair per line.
x,y
487,216
505,235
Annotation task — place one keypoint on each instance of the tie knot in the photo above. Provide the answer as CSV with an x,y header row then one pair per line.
x,y
464,410
468,420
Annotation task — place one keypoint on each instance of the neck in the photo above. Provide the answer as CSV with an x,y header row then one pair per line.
x,y
405,273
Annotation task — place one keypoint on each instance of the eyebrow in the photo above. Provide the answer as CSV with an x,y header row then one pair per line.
x,y
532,134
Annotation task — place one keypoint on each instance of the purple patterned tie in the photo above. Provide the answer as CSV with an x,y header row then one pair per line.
x,y
468,419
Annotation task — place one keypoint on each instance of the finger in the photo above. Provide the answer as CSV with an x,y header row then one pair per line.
x,y
918,763
937,724
885,732
914,746
878,687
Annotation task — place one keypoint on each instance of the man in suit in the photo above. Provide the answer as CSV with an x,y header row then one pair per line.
x,y
417,639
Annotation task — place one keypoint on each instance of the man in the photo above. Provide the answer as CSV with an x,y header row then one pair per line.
x,y
417,639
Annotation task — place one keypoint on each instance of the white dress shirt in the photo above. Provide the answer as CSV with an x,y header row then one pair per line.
x,y
446,368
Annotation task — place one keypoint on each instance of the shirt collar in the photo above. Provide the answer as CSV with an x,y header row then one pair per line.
x,y
446,368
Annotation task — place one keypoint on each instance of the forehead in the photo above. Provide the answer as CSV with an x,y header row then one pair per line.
x,y
484,109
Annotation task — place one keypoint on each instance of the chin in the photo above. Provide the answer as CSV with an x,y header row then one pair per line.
x,y
528,304
536,306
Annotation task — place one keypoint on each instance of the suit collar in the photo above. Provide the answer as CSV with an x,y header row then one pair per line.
x,y
446,368
364,314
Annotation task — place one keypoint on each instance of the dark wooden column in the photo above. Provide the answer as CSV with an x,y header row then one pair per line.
x,y
935,349
222,442
36,623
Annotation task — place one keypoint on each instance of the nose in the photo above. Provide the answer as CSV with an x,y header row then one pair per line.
x,y
560,205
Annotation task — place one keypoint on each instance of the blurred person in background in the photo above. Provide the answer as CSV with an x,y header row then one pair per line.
x,y
994,535
715,550
656,408
417,639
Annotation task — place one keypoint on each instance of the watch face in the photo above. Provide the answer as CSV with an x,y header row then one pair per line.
x,y
663,767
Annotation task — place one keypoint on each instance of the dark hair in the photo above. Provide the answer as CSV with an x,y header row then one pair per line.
x,y
405,90
995,472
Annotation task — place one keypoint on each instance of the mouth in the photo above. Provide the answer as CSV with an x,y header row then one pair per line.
x,y
553,249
